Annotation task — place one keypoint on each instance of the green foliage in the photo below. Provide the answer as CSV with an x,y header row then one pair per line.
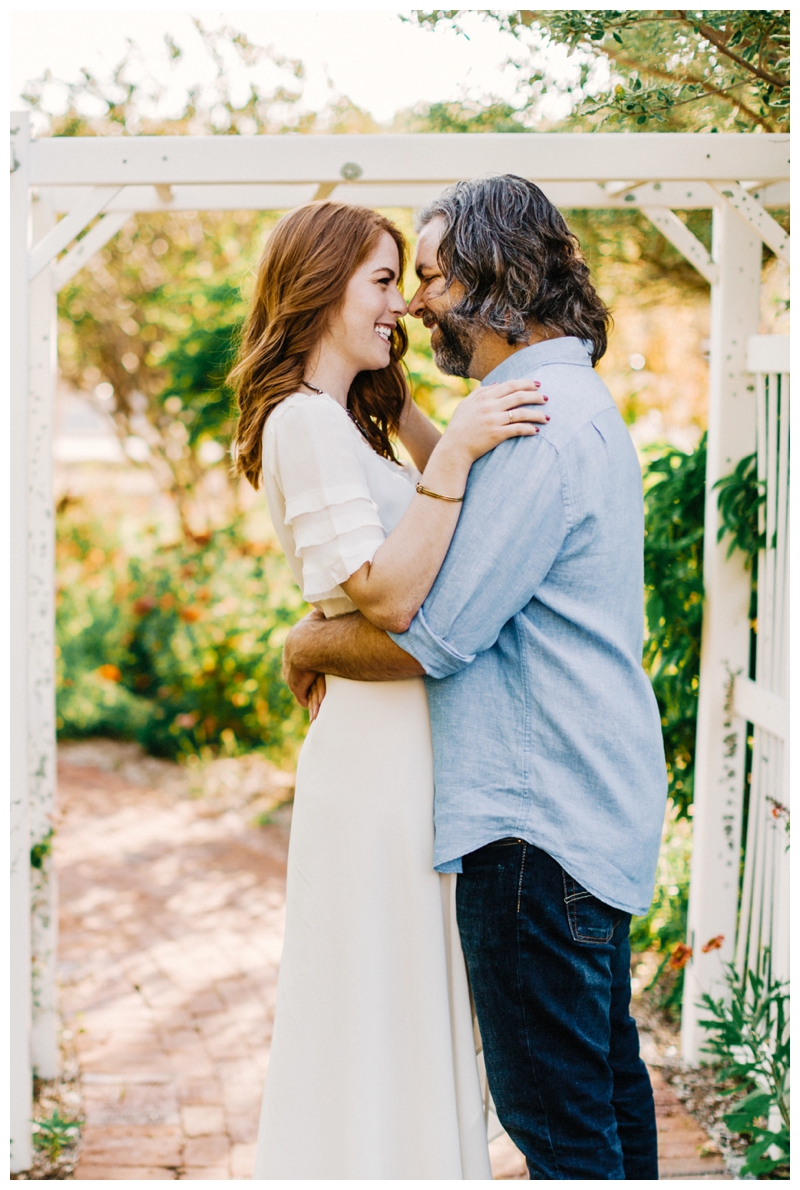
x,y
54,1133
749,1034
197,366
179,648
673,562
741,495
89,704
671,69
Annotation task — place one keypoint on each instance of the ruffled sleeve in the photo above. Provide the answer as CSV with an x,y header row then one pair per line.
x,y
317,462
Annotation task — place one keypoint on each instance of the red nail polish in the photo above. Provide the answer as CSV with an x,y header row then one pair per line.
x,y
546,398
547,417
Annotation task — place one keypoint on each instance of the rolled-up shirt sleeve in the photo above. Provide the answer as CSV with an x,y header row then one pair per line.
x,y
512,526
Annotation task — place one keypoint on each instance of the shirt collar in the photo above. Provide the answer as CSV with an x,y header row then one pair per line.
x,y
566,350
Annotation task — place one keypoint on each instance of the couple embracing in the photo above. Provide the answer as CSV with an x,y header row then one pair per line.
x,y
480,795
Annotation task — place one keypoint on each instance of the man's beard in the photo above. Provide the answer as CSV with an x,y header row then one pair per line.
x,y
456,347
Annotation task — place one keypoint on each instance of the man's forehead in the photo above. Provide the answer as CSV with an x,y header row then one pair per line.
x,y
428,243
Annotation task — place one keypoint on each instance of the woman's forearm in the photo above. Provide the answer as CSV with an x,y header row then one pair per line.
x,y
391,588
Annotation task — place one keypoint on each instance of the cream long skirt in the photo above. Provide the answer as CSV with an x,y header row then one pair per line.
x,y
372,1070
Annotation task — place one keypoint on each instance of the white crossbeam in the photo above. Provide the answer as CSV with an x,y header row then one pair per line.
x,y
71,225
270,197
433,157
85,249
760,220
772,194
768,353
678,234
755,704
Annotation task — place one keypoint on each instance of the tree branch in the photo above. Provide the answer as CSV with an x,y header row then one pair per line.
x,y
709,90
714,38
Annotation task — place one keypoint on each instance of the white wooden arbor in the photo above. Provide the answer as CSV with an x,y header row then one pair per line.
x,y
739,176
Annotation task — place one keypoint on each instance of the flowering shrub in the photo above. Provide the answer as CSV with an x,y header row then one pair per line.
x,y
179,648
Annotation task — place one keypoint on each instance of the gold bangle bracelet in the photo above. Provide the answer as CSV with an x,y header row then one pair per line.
x,y
437,495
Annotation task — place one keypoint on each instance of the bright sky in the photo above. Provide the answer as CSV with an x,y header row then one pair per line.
x,y
369,55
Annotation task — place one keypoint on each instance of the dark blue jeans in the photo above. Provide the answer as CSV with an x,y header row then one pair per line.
x,y
549,966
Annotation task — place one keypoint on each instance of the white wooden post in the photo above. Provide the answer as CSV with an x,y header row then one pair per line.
x,y
20,957
719,759
41,653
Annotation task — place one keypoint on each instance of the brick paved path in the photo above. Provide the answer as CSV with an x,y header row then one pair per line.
x,y
171,926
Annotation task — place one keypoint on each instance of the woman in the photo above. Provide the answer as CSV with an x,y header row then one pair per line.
x,y
372,1069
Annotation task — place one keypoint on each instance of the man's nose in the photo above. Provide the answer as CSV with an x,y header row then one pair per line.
x,y
417,305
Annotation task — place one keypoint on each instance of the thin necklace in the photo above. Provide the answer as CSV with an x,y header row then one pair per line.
x,y
322,393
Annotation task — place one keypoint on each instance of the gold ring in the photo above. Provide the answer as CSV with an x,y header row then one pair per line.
x,y
510,416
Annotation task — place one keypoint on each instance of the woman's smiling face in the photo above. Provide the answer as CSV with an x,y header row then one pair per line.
x,y
361,329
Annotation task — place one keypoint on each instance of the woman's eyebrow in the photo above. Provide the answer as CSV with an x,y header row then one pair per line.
x,y
384,268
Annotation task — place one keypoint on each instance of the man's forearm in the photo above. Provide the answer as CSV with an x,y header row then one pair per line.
x,y
348,647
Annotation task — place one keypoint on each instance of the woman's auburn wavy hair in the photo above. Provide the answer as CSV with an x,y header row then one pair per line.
x,y
307,262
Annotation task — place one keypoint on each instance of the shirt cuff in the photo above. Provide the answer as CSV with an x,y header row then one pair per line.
x,y
436,656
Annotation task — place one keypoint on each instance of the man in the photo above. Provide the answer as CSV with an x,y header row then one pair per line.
x,y
549,765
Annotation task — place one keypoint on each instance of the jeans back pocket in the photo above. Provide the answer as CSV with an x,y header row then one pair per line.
x,y
590,920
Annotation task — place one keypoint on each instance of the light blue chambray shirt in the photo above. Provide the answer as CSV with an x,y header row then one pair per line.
x,y
545,726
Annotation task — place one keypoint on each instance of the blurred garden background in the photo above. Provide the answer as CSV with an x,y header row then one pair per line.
x,y
173,597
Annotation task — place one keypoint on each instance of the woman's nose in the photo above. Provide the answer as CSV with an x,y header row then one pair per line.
x,y
398,305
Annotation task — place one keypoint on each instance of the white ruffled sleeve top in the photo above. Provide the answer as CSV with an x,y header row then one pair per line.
x,y
331,497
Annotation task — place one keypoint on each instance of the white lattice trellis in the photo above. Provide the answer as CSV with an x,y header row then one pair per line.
x,y
764,912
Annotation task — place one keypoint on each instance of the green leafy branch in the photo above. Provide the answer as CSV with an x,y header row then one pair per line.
x,y
715,69
749,1033
741,495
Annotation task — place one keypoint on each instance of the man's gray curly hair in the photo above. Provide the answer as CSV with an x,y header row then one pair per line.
x,y
517,260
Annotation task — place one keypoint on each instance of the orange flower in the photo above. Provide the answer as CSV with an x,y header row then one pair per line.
x,y
111,672
714,943
190,614
681,953
144,605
